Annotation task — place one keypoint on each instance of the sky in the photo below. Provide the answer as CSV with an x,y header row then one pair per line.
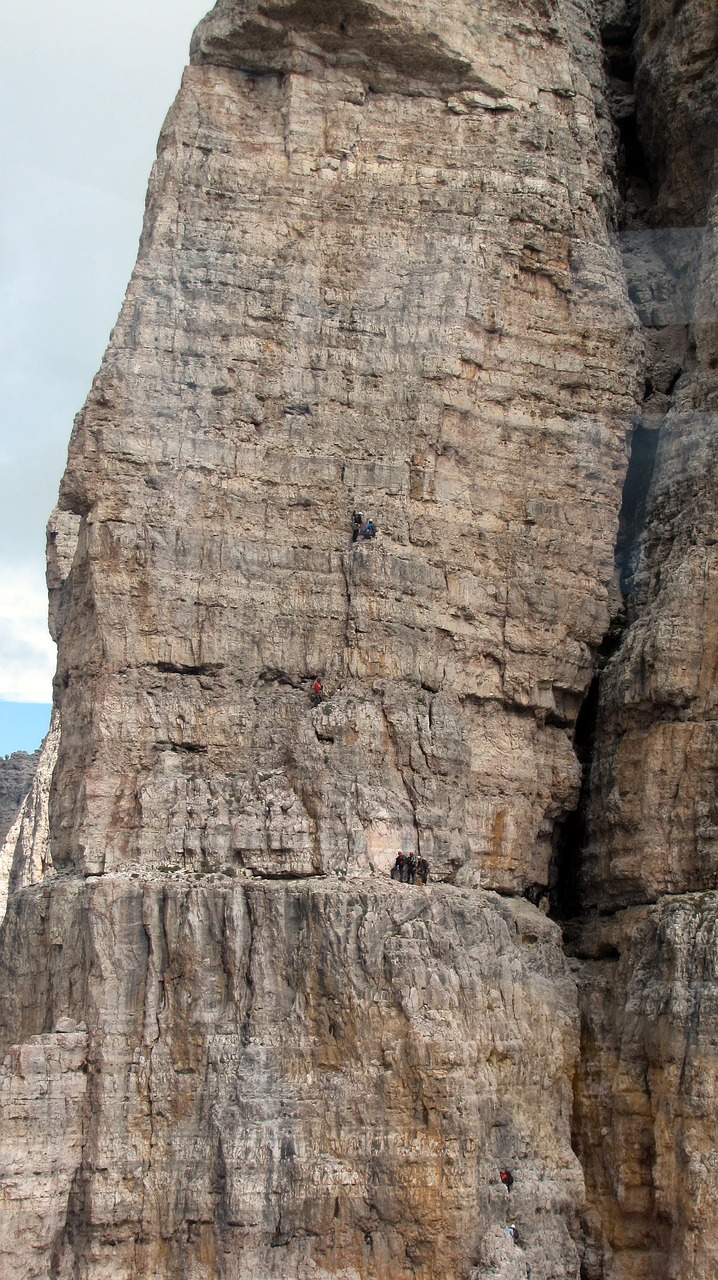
x,y
84,88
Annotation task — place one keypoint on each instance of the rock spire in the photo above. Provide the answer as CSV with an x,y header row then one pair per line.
x,y
449,266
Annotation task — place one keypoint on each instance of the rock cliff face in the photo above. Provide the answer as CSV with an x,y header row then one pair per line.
x,y
291,1080
447,265
16,774
649,813
25,856
376,273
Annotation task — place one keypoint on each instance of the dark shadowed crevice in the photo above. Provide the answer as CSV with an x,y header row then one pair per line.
x,y
569,837
632,517
184,669
570,833
633,170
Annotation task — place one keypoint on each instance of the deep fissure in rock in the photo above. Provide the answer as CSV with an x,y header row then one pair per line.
x,y
632,517
570,833
618,39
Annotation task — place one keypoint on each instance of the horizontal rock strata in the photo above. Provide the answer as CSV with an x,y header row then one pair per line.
x,y
43,1086
644,1123
650,1044
376,273
447,265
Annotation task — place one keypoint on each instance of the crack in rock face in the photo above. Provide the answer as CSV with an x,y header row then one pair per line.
x,y
450,268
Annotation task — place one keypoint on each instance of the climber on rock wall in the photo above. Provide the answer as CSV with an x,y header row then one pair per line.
x,y
357,522
317,691
507,1178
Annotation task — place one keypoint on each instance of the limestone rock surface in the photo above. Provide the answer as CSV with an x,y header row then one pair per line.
x,y
645,1121
16,774
647,983
449,265
43,1085
299,1080
377,273
653,821
25,856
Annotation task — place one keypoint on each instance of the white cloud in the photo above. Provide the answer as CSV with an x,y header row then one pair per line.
x,y
84,88
27,654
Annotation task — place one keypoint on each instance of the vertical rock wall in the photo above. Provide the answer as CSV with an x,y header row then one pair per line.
x,y
300,1080
380,271
376,273
25,852
650,1043
16,775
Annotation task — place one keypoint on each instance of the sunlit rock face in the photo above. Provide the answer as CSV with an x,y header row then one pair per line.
x,y
447,265
299,1080
25,857
645,1116
376,274
17,772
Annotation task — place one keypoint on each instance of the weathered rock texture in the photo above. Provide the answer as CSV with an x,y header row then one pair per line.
x,y
16,774
380,270
301,1080
43,1085
645,1119
650,1043
25,856
653,820
376,271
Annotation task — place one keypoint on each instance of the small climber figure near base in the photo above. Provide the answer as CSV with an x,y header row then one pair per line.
x,y
357,522
369,530
317,691
513,1232
397,871
422,871
507,1178
413,863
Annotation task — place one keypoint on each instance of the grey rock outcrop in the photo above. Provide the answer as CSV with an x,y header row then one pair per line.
x,y
43,1085
650,1044
398,257
303,1079
644,1124
25,856
16,774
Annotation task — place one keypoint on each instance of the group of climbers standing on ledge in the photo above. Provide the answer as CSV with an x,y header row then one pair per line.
x,y
410,869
